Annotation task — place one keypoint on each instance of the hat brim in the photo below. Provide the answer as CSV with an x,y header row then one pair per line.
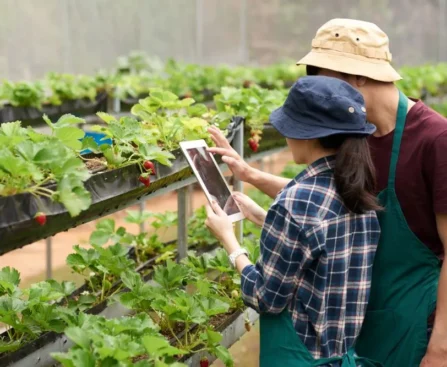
x,y
294,129
351,64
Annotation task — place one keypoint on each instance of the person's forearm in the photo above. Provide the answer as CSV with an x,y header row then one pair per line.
x,y
269,184
438,338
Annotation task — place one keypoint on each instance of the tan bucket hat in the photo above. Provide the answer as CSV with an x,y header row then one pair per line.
x,y
352,47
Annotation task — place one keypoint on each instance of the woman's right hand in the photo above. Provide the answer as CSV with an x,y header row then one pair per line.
x,y
252,211
241,169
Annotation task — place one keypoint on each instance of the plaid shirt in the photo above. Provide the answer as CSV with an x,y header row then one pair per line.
x,y
316,261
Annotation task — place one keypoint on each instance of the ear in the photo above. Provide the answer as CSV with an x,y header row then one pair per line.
x,y
360,81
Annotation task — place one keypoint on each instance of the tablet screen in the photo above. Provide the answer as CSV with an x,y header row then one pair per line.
x,y
212,179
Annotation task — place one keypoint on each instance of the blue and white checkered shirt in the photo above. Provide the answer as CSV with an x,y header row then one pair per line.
x,y
316,261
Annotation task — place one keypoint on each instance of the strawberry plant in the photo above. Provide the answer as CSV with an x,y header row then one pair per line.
x,y
118,342
255,104
24,94
30,161
133,143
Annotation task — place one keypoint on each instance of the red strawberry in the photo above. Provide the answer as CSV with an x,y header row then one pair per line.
x,y
253,144
40,218
204,362
247,326
145,180
148,165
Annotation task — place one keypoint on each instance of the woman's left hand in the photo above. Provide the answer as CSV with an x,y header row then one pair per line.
x,y
219,224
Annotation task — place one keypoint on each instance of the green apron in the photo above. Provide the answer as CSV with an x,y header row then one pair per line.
x,y
404,280
281,347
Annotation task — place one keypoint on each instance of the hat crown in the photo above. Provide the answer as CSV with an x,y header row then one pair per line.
x,y
326,101
353,37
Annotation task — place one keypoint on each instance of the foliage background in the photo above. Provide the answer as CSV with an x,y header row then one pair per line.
x,y
81,36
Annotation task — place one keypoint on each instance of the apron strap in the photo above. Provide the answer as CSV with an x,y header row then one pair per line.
x,y
348,360
398,132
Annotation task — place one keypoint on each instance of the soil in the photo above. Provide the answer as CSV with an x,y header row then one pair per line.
x,y
96,164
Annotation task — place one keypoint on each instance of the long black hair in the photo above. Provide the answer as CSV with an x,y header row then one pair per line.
x,y
355,177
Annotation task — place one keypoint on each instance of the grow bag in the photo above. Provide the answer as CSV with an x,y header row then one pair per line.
x,y
33,116
110,191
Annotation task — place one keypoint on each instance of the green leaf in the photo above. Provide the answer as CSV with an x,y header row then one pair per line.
x,y
75,358
9,279
137,217
67,120
224,355
158,347
11,129
90,144
153,152
212,337
70,136
197,110
9,346
103,233
73,195
107,118
78,336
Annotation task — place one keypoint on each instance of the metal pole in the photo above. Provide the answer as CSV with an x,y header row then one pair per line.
x,y
441,29
190,210
182,229
116,105
199,31
49,257
243,31
238,145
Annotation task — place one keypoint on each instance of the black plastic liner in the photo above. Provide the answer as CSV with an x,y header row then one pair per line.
x,y
33,116
110,191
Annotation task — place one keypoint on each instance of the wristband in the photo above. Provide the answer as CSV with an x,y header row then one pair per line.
x,y
234,255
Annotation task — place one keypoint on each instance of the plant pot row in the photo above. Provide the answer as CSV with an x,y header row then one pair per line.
x,y
37,352
111,190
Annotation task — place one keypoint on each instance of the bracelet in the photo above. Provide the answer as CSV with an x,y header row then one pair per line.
x,y
234,255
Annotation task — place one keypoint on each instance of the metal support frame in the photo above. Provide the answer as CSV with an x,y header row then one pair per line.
x,y
182,229
49,257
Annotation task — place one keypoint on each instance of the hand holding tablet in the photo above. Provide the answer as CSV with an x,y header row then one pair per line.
x,y
210,177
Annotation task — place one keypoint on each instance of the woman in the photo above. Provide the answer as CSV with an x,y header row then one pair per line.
x,y
311,283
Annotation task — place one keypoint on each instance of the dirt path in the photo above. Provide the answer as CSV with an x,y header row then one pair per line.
x,y
30,261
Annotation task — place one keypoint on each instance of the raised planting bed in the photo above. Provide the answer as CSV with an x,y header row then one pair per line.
x,y
33,116
232,328
110,190
37,352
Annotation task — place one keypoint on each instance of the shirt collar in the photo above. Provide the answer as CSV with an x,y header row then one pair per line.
x,y
321,165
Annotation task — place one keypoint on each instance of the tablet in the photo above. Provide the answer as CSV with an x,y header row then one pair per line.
x,y
210,177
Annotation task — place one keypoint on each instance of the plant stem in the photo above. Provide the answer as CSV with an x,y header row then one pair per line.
x,y
174,334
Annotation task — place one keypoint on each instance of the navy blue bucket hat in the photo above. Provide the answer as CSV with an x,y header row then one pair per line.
x,y
319,106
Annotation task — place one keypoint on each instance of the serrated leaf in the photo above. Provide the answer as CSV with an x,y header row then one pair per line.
x,y
73,195
70,136
9,278
224,355
159,347
78,336
107,118
90,144
67,120
75,358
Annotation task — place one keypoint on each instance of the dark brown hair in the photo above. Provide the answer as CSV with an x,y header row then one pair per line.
x,y
355,177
